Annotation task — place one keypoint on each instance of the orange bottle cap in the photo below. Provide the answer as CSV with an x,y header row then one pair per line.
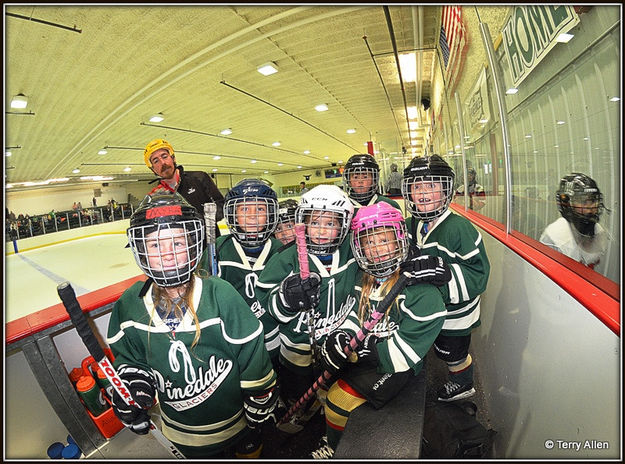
x,y
75,374
85,383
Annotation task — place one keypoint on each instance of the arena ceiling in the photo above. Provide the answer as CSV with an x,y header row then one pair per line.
x,y
95,75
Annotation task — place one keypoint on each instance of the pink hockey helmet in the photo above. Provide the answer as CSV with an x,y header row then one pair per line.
x,y
385,254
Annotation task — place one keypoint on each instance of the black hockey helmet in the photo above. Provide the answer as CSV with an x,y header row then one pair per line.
x,y
361,164
432,169
166,236
580,202
251,191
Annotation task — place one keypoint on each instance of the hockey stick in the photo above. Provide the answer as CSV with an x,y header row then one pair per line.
x,y
304,273
210,211
354,343
68,297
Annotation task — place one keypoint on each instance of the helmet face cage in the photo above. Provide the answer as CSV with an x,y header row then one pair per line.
x,y
325,229
379,240
251,218
432,194
169,253
580,202
355,175
285,230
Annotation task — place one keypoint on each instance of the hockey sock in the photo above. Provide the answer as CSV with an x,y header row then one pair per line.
x,y
461,371
341,401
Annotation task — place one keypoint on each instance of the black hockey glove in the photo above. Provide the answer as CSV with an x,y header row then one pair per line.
x,y
367,352
333,357
426,269
260,408
140,385
301,295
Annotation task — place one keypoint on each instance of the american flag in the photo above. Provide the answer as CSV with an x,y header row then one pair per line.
x,y
452,42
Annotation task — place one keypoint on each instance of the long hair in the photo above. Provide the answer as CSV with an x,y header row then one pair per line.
x,y
162,299
369,282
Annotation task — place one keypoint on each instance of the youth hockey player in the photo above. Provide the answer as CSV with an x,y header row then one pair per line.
x,y
327,211
361,179
427,189
251,214
394,350
285,232
191,342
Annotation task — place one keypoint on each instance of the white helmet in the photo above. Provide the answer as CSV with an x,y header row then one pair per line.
x,y
316,207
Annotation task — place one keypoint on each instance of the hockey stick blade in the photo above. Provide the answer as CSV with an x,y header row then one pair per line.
x,y
68,298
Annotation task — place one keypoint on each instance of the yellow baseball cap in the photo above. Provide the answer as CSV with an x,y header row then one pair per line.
x,y
154,145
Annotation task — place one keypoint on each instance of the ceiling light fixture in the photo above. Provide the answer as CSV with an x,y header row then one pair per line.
x,y
216,157
564,38
512,91
127,169
412,125
7,153
326,157
253,161
243,170
276,144
408,67
307,152
19,102
615,99
299,167
157,117
226,132
102,152
268,69
321,107
280,164
214,169
76,171
412,112
351,131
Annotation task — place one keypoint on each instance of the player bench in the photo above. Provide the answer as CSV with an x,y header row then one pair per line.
x,y
392,432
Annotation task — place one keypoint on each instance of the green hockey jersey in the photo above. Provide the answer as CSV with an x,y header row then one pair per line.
x,y
242,272
406,335
200,389
460,245
335,303
376,199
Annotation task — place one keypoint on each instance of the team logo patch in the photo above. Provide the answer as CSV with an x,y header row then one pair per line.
x,y
161,211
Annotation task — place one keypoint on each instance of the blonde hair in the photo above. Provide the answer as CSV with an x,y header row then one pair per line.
x,y
369,282
162,299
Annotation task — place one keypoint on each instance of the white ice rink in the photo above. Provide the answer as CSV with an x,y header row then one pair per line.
x,y
31,277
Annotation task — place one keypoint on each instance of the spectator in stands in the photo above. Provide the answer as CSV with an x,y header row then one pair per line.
x,y
578,234
302,187
95,202
474,189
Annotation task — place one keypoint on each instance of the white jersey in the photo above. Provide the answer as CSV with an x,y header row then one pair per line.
x,y
560,235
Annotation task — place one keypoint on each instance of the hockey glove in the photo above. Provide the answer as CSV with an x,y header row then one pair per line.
x,y
368,352
426,269
260,408
140,385
333,357
301,295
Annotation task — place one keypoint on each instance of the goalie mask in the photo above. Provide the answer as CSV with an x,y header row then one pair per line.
x,y
427,187
361,177
166,236
327,212
379,239
580,202
251,212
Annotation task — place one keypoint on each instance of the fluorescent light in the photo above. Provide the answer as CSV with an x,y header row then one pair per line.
x,y
512,91
408,67
414,134
564,38
414,142
559,123
265,172
307,152
351,131
226,132
412,125
157,117
76,171
615,99
102,152
280,164
412,112
243,170
214,169
268,69
326,157
299,167
216,157
127,169
253,161
276,144
20,101
321,107
528,136
7,153
483,121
